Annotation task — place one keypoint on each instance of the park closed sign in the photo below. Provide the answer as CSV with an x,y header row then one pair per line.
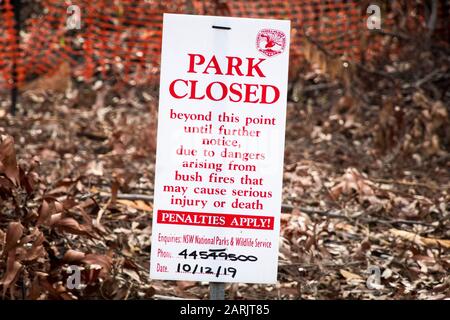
x,y
220,147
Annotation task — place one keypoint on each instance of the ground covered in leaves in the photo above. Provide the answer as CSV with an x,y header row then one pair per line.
x,y
366,191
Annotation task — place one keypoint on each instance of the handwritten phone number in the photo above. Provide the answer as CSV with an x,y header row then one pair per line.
x,y
197,269
216,254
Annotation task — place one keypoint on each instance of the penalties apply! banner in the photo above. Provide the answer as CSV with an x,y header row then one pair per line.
x,y
219,166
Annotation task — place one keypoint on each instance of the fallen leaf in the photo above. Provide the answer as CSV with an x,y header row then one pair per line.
x,y
132,274
70,225
13,235
73,256
57,290
8,161
2,237
349,275
139,204
35,290
104,261
184,285
44,213
37,249
352,180
12,270
419,239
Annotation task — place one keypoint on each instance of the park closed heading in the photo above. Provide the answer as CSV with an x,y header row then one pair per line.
x,y
242,92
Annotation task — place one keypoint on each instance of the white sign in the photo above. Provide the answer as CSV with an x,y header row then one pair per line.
x,y
221,125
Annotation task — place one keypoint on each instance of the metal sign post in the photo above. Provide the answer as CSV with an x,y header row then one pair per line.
x,y
216,291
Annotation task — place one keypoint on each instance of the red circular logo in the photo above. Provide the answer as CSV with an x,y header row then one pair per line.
x,y
271,42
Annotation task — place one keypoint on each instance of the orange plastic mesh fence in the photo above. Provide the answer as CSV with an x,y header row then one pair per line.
x,y
121,39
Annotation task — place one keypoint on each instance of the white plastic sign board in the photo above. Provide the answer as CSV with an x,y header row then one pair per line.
x,y
220,146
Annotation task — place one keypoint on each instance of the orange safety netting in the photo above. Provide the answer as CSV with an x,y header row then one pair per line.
x,y
121,39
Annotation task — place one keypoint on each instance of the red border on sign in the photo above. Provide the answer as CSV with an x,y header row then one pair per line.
x,y
223,220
